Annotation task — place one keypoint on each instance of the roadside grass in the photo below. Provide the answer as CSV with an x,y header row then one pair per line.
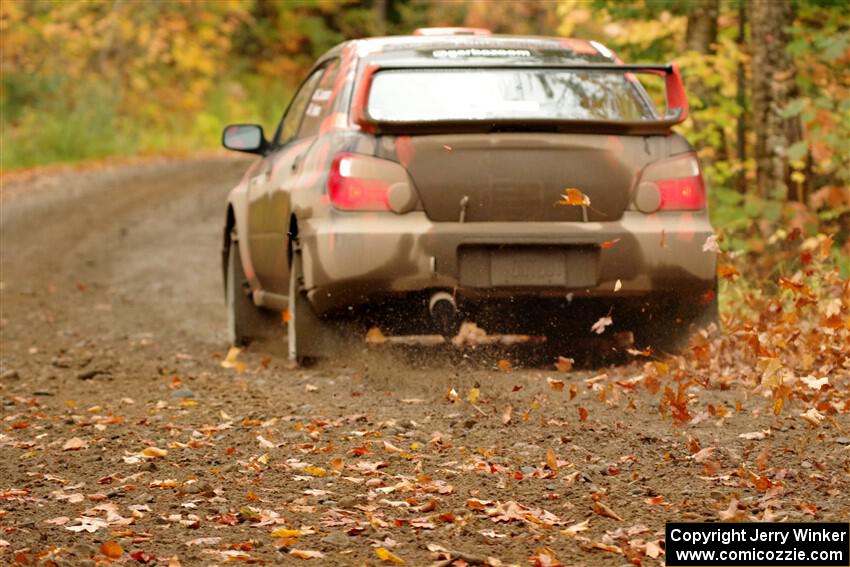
x,y
55,121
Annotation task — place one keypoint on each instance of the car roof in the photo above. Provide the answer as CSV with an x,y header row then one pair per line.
x,y
416,50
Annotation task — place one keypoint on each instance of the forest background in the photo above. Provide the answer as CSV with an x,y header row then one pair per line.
x,y
768,83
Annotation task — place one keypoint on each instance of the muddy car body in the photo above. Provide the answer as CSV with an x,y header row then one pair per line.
x,y
397,177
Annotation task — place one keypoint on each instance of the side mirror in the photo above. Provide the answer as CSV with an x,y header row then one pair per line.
x,y
248,138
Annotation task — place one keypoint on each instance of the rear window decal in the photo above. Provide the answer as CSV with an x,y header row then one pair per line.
x,y
475,52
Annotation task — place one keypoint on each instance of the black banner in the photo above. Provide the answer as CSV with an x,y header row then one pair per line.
x,y
816,544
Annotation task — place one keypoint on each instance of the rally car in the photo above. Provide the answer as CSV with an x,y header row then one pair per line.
x,y
453,174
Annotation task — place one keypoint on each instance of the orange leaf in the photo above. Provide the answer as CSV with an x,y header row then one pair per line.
x,y
583,413
603,510
557,385
336,464
607,547
761,482
504,365
564,364
286,315
388,556
728,272
375,336
777,406
826,246
154,452
111,549
551,459
609,244
573,391
574,198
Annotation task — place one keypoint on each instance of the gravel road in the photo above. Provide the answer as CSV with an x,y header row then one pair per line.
x,y
123,437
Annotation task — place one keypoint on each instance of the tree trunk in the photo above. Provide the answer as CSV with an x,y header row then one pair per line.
x,y
702,26
772,89
379,12
741,99
701,35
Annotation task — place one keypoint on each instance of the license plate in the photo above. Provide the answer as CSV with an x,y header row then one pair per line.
x,y
528,267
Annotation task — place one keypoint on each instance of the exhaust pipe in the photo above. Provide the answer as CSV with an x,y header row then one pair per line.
x,y
443,310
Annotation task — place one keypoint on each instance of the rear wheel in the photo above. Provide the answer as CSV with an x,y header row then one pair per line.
x,y
245,321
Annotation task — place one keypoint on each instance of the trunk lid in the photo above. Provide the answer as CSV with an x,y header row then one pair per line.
x,y
509,176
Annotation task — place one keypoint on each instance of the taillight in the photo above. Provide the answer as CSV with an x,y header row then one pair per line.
x,y
358,182
674,184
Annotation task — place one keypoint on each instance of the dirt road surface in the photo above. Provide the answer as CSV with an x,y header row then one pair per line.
x,y
124,439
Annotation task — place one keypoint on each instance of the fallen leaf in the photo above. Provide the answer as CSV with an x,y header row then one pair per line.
x,y
761,460
564,364
618,285
504,365
506,415
315,471
551,459
472,396
388,556
653,549
574,529
154,452
754,435
111,549
306,553
732,513
604,510
609,244
608,547
703,455
812,416
557,385
583,413
815,383
74,444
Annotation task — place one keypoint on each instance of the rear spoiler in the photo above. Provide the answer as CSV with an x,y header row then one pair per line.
x,y
677,105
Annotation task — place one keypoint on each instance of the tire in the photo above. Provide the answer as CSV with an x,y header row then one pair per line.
x,y
245,321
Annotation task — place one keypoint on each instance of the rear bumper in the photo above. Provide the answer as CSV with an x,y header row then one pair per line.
x,y
351,259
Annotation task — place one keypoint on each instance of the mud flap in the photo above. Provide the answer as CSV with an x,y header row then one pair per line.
x,y
308,335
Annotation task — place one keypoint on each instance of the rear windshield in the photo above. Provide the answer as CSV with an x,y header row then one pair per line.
x,y
412,95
